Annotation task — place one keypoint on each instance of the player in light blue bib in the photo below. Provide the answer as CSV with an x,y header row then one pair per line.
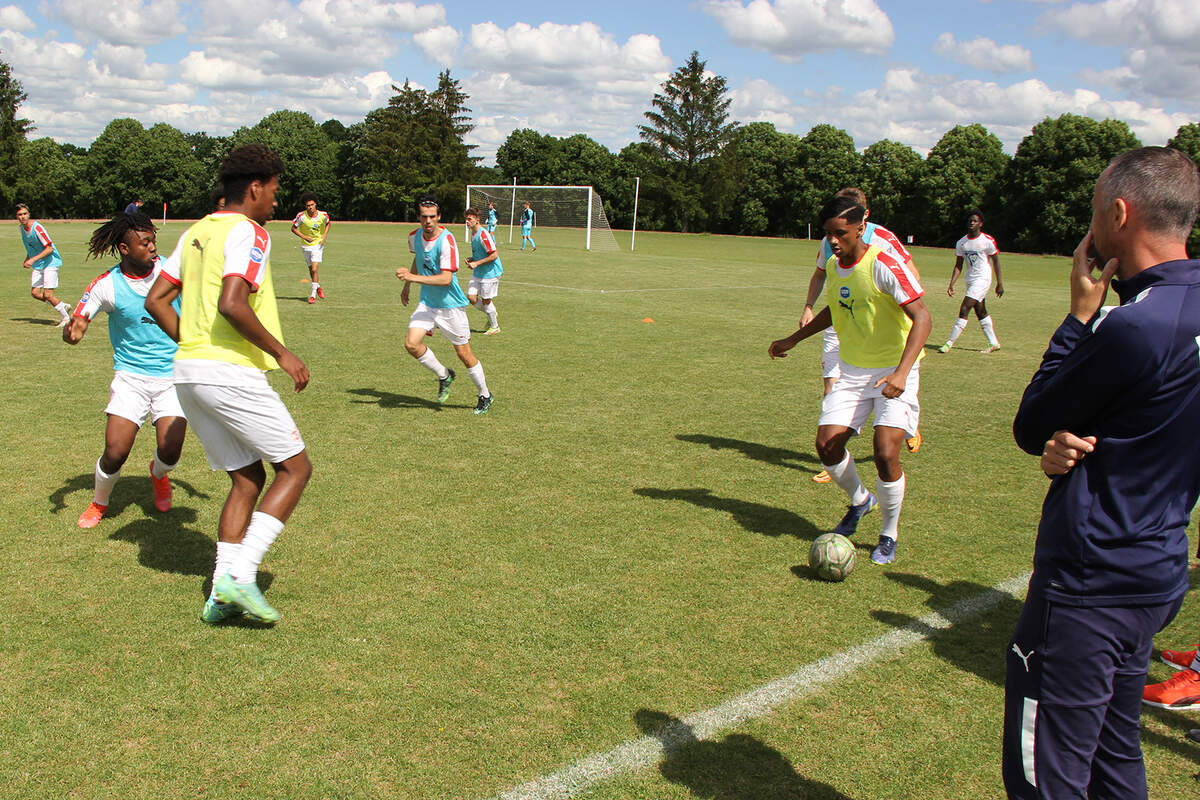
x,y
527,227
44,260
485,271
143,360
443,304
491,218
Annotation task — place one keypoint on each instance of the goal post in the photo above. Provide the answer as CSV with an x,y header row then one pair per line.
x,y
571,207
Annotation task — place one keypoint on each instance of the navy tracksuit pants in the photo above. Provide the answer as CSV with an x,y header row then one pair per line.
x,y
1073,699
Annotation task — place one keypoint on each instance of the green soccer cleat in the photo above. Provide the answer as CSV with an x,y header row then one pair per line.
x,y
215,611
483,405
444,386
944,348
246,596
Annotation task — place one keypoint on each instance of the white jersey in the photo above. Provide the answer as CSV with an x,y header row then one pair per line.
x,y
974,253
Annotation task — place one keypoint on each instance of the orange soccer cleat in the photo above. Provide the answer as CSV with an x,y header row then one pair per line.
x,y
91,515
162,490
1180,691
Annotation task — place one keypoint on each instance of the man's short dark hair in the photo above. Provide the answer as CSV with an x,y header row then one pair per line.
x,y
1162,183
975,212
19,207
304,198
473,212
842,207
246,164
426,200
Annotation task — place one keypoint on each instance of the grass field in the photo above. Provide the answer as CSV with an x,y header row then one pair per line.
x,y
471,602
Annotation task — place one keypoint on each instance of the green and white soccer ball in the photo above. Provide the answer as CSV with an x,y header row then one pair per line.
x,y
831,556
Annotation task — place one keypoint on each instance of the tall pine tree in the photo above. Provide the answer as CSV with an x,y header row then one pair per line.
x,y
12,132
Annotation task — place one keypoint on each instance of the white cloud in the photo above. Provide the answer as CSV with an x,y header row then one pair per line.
x,y
439,44
983,53
127,22
14,19
1161,61
792,29
759,101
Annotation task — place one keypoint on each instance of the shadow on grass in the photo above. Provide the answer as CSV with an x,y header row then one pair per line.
x,y
777,456
738,767
754,517
975,644
166,545
390,400
133,490
34,320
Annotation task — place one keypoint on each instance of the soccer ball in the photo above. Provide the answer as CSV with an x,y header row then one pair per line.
x,y
831,556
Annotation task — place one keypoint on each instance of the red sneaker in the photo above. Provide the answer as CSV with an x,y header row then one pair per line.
x,y
311,299
91,515
1178,659
1180,691
320,293
162,490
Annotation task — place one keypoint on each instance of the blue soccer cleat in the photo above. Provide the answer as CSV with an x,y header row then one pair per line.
x,y
849,523
885,551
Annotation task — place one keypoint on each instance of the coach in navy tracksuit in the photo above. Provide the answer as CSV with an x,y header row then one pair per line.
x,y
1115,412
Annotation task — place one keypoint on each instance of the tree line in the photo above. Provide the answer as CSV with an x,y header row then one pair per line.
x,y
700,171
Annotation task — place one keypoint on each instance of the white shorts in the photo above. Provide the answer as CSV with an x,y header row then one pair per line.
x,y
977,288
487,288
239,425
313,254
452,322
132,397
854,397
829,354
44,278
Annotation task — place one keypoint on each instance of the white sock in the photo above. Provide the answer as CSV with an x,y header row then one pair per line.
x,y
845,475
160,468
61,308
431,363
104,484
227,553
960,325
891,497
476,373
260,534
989,331
315,286
493,316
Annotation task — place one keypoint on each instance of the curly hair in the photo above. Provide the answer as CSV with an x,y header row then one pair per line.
x,y
246,164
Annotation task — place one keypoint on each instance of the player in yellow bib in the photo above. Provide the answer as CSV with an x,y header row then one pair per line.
x,y
312,226
875,305
229,334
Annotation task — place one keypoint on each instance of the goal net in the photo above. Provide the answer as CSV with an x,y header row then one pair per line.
x,y
571,207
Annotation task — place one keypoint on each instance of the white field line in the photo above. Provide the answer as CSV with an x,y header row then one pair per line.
x,y
640,291
646,751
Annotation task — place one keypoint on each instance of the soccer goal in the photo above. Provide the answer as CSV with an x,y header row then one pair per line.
x,y
578,207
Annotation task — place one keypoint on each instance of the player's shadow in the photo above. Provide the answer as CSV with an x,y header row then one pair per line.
x,y
391,400
33,320
166,544
776,456
133,490
754,517
737,767
976,641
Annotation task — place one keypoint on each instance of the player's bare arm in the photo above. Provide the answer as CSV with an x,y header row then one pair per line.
x,y
893,385
303,238
995,259
234,306
158,305
443,278
779,347
954,275
815,284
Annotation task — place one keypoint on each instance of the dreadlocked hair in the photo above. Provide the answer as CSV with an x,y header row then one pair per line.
x,y
105,239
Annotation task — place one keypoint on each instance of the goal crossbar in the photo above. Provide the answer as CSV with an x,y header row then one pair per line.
x,y
553,206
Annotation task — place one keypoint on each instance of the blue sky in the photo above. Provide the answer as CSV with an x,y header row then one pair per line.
x,y
900,70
